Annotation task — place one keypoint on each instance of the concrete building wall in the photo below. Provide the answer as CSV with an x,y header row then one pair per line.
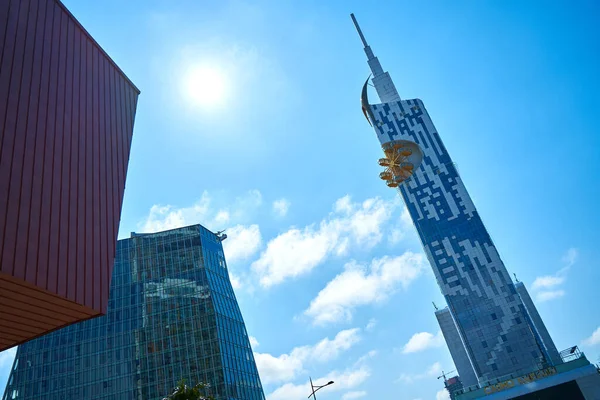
x,y
66,123
456,347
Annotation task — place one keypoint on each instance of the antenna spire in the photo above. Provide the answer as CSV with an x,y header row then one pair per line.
x,y
381,80
362,37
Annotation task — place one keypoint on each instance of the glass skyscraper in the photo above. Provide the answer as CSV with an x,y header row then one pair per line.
x,y
487,312
172,315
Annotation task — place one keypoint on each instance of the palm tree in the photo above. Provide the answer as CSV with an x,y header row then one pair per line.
x,y
185,392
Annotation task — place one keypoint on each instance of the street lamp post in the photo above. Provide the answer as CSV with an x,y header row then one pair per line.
x,y
315,388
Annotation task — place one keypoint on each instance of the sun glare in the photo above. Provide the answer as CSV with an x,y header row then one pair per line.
x,y
206,86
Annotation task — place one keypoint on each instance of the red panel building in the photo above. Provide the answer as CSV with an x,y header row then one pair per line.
x,y
66,123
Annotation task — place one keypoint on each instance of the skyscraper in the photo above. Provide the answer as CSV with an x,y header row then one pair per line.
x,y
66,124
495,335
480,294
172,315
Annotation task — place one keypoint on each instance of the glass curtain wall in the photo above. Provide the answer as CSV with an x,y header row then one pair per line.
x,y
172,315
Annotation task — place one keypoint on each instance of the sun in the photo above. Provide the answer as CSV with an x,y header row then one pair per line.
x,y
206,86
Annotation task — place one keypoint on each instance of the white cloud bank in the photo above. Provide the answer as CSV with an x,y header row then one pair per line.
x,y
287,366
359,285
281,207
548,295
432,371
347,379
298,250
442,395
164,217
242,242
423,341
354,395
594,339
547,287
371,325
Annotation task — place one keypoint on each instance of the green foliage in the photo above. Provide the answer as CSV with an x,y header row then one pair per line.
x,y
185,392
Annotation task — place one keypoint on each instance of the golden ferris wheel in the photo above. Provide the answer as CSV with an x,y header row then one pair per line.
x,y
401,159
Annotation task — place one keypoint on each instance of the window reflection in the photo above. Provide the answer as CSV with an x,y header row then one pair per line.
x,y
172,314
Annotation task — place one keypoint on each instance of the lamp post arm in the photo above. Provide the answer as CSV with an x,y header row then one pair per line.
x,y
315,389
319,387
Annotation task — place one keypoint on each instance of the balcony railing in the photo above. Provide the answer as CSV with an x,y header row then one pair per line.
x,y
567,355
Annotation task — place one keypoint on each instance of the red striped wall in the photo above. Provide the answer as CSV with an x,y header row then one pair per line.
x,y
66,121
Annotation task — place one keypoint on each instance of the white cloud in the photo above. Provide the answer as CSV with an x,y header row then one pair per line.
x,y
242,242
287,366
277,369
547,281
253,342
422,341
253,199
235,280
404,227
348,379
396,235
164,217
371,325
442,395
222,217
432,371
594,339
549,295
290,391
367,356
328,349
281,207
354,395
7,357
359,285
570,258
297,251
547,286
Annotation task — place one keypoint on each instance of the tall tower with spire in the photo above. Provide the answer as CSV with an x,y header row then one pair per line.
x,y
489,318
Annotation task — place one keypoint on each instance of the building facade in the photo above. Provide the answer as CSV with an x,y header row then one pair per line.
x,y
496,337
172,315
66,123
482,299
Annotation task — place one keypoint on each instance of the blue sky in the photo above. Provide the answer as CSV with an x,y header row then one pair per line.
x,y
329,272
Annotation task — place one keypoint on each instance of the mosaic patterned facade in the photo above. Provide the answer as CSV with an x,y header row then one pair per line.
x,y
476,285
172,315
489,314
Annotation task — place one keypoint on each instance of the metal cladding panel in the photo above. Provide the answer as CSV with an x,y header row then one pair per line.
x,y
66,121
456,347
